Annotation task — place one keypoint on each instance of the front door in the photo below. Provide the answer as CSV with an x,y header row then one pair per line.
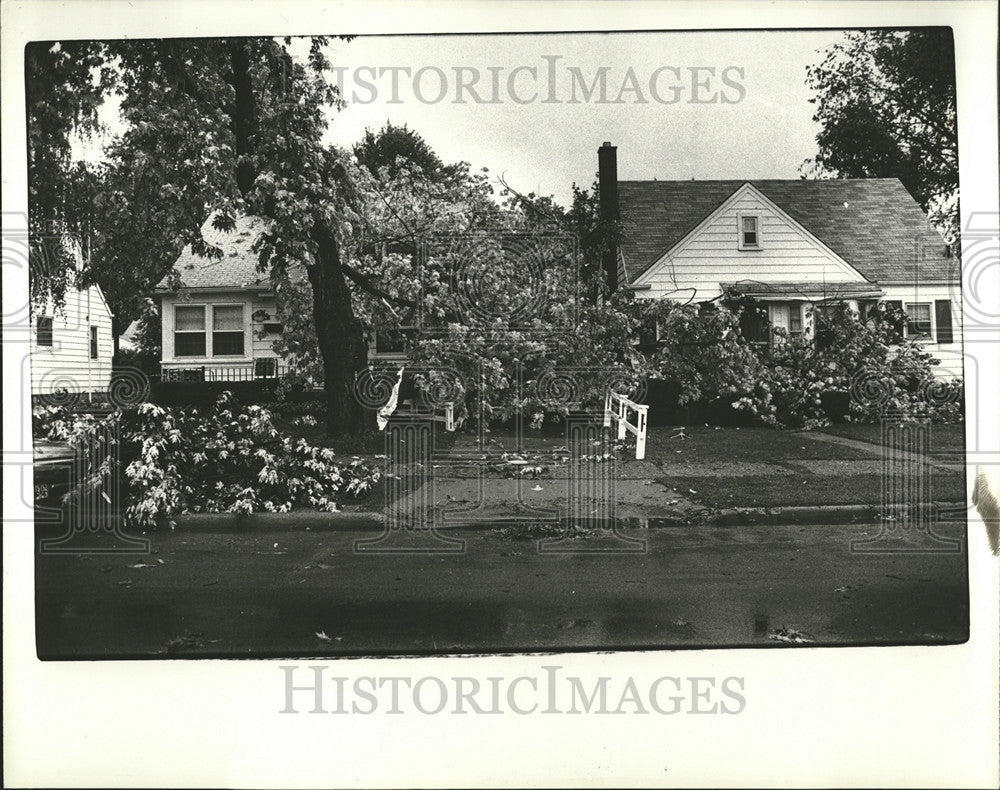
x,y
779,316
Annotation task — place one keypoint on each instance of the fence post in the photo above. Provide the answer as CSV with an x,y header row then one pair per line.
x,y
607,409
622,416
449,416
640,437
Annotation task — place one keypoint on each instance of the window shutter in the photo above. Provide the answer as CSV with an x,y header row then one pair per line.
x,y
897,325
942,313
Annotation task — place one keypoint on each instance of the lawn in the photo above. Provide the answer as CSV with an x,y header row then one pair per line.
x,y
703,443
796,480
947,441
800,490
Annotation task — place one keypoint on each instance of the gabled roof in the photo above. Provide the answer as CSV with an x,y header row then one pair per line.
x,y
236,269
874,224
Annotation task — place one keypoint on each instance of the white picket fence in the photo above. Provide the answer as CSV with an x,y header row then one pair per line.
x,y
616,408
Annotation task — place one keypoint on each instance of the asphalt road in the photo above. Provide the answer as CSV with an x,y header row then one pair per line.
x,y
312,593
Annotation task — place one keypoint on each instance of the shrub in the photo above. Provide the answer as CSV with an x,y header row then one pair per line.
x,y
229,459
51,422
863,369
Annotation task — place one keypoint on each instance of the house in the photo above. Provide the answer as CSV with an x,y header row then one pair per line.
x,y
71,344
219,315
794,245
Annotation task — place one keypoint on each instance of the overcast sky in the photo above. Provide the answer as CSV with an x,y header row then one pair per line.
x,y
758,126
678,105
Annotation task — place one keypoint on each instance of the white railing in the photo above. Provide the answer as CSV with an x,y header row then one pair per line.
x,y
617,407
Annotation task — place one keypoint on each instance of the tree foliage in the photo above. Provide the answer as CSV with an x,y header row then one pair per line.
x,y
885,101
221,127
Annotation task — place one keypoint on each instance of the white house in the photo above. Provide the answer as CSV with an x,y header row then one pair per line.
x,y
793,244
220,319
71,344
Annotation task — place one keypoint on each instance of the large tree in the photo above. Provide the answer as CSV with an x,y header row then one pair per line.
x,y
885,101
217,127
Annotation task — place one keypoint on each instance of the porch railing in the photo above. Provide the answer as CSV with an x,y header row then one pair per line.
x,y
259,370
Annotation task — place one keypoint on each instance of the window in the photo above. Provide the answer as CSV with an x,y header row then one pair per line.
x,y
93,342
749,232
649,332
795,319
265,368
44,331
918,320
189,331
227,331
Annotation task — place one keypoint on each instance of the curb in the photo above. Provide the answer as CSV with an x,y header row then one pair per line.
x,y
340,521
306,520
817,514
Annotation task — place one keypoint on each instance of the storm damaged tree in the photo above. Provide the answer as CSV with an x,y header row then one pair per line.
x,y
231,127
885,101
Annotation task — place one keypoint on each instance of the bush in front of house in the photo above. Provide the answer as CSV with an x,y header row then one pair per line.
x,y
851,370
227,459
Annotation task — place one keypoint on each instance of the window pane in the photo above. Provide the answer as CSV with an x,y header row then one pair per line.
x,y
228,319
44,333
189,344
93,342
795,318
918,319
189,318
227,344
749,224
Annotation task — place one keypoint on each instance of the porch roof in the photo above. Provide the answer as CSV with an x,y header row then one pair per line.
x,y
811,291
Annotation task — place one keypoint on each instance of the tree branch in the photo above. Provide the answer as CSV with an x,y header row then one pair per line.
x,y
365,283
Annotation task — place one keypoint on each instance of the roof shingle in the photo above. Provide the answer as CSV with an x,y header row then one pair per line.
x,y
872,223
237,268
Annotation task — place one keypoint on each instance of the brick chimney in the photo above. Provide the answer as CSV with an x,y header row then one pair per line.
x,y
607,181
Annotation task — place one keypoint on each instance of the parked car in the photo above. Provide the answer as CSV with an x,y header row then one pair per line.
x,y
52,464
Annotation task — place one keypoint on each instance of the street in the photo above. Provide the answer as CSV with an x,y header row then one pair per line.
x,y
299,592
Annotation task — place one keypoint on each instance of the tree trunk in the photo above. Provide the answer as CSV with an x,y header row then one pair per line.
x,y
339,333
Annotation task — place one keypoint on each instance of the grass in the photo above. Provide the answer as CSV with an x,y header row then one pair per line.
x,y
946,440
704,443
793,490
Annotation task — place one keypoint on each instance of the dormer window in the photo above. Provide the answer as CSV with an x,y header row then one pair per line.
x,y
749,228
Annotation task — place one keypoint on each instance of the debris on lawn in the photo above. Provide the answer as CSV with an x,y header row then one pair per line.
x,y
791,635
143,565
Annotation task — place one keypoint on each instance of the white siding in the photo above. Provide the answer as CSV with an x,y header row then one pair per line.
x,y
950,355
66,364
711,255
263,343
